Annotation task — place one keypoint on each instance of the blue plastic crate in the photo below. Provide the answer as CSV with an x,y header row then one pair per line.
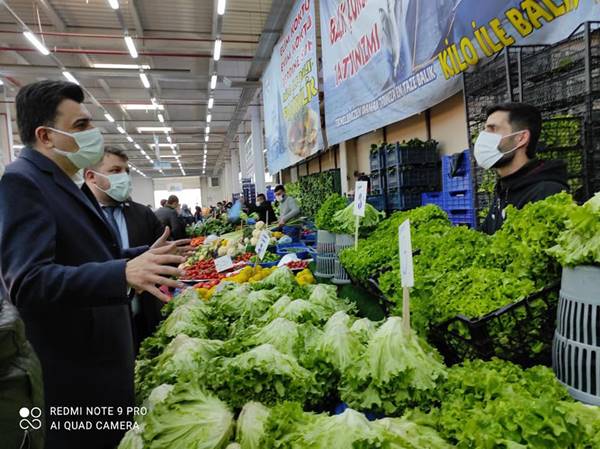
x,y
402,200
457,172
463,218
459,201
377,201
437,198
371,416
300,249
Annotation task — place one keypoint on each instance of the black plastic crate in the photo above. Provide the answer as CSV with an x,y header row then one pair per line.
x,y
403,200
376,158
377,182
411,153
401,177
521,332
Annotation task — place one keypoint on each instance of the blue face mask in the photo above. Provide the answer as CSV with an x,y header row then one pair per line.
x,y
91,147
120,186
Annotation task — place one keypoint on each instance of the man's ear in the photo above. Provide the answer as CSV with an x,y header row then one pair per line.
x,y
88,174
524,138
43,135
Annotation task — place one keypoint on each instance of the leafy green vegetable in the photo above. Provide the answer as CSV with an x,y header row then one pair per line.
x,y
188,417
181,359
250,428
397,371
579,243
262,373
344,221
498,404
288,427
333,204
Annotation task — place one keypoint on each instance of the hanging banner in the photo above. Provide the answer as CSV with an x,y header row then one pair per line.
x,y
291,92
386,60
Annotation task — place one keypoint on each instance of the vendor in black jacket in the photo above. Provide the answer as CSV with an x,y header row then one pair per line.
x,y
508,145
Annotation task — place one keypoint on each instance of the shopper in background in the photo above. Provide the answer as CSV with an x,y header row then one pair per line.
x,y
186,215
163,202
61,265
508,145
288,207
135,224
198,214
168,216
264,209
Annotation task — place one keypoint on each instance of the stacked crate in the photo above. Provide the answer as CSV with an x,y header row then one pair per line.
x,y
377,197
457,197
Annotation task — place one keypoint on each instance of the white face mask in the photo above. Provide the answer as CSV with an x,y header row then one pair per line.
x,y
78,179
120,186
487,153
91,147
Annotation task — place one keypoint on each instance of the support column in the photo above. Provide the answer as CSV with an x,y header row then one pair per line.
x,y
225,181
235,169
257,149
6,142
343,165
242,156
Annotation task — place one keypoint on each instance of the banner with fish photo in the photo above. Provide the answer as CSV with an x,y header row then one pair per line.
x,y
291,92
386,60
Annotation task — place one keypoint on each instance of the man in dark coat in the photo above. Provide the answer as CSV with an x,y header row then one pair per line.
x,y
508,145
61,265
110,183
168,216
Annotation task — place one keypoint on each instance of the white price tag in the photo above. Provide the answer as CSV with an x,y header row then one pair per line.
x,y
223,264
263,243
406,257
360,198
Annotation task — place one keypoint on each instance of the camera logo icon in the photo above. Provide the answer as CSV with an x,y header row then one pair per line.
x,y
30,418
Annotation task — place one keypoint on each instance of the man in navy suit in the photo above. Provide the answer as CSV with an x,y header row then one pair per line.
x,y
62,266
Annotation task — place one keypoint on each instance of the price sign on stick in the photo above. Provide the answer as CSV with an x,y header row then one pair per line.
x,y
263,243
223,264
406,270
360,203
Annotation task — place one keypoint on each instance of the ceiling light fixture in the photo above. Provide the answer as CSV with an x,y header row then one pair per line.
x,y
169,139
161,145
143,152
109,117
121,66
120,129
208,118
138,147
221,7
143,107
161,118
217,50
131,47
207,130
206,138
129,138
36,43
213,81
114,4
70,77
145,80
154,129
211,102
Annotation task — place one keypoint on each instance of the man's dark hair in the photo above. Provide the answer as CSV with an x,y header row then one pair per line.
x,y
279,188
37,104
522,116
116,152
163,202
172,200
261,195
